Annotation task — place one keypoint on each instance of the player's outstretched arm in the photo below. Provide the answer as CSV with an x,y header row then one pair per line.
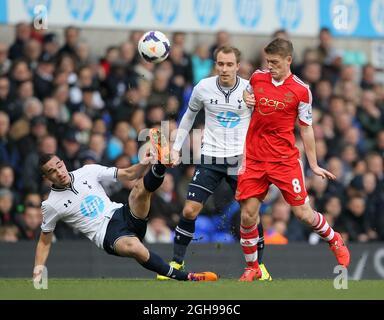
x,y
42,252
185,126
308,138
136,171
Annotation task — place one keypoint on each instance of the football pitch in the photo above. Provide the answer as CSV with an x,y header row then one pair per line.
x,y
224,289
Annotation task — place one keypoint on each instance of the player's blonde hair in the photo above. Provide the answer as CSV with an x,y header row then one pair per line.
x,y
279,46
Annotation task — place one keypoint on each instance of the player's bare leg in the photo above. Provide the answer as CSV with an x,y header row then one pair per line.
x,y
249,237
140,200
192,209
319,225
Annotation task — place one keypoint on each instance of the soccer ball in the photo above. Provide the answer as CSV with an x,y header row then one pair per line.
x,y
154,46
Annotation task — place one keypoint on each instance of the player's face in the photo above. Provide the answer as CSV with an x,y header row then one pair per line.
x,y
56,172
279,66
227,67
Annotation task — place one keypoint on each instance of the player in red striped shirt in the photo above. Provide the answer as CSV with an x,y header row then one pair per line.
x,y
279,99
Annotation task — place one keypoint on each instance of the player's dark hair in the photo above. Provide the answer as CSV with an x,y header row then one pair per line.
x,y
282,47
43,159
228,49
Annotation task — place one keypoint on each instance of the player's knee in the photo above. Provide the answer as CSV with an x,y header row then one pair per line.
x,y
249,216
303,213
138,192
190,212
129,247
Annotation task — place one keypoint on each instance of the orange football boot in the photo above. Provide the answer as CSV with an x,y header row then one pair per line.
x,y
160,146
251,274
340,250
202,276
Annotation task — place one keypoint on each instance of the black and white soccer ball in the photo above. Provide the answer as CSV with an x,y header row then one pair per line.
x,y
154,46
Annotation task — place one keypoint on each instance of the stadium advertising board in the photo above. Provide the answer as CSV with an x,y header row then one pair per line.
x,y
356,18
240,16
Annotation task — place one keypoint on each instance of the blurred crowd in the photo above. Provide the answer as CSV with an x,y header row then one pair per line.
x,y
60,98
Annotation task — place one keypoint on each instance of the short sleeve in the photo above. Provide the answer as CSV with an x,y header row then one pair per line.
x,y
249,88
50,218
104,174
196,102
305,108
252,82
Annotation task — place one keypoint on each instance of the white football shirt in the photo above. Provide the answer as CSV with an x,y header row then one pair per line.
x,y
83,205
226,116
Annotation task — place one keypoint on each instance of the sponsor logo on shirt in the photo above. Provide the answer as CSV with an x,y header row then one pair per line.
x,y
267,106
228,119
92,206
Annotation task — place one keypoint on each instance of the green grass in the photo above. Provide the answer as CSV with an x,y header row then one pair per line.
x,y
224,289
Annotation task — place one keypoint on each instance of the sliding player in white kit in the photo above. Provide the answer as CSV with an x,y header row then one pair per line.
x,y
226,123
78,199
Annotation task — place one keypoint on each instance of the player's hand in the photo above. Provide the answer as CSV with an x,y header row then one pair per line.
x,y
36,277
323,173
250,100
175,158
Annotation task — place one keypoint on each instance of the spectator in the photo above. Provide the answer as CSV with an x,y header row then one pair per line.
x,y
97,144
70,150
6,206
29,223
23,34
112,55
5,63
379,146
370,116
158,231
223,38
368,77
116,142
353,220
31,199
121,190
31,172
202,63
5,99
165,202
55,116
7,181
375,164
43,77
50,46
9,233
9,152
129,103
38,129
330,57
32,52
72,35
131,150
322,94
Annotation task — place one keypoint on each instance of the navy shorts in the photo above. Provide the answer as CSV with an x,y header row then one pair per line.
x,y
123,223
208,176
